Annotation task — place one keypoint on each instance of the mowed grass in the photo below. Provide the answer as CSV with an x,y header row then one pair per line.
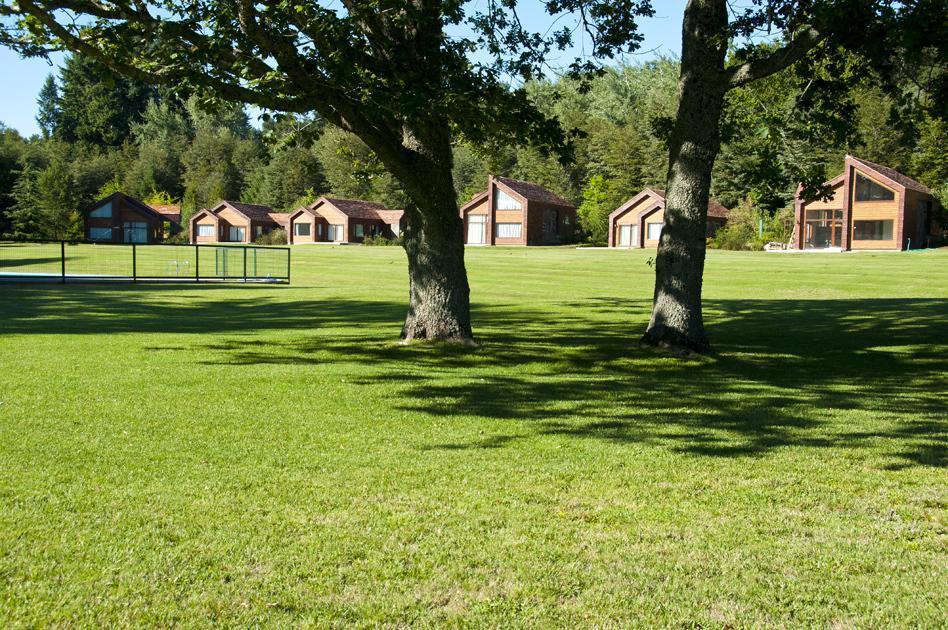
x,y
186,455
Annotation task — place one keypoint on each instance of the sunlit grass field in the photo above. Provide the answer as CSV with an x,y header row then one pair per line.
x,y
264,454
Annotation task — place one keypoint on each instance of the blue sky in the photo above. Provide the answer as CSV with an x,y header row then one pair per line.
x,y
21,79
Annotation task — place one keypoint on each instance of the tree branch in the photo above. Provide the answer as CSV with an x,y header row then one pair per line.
x,y
803,42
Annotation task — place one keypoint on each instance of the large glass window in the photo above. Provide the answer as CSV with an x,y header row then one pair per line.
x,y
102,212
868,190
301,229
237,234
654,231
360,230
336,233
508,230
205,230
136,232
506,202
872,230
824,228
100,233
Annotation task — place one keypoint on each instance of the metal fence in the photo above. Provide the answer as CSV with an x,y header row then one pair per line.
x,y
86,261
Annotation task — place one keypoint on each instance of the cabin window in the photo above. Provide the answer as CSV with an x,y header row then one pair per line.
x,y
205,230
336,233
506,202
360,230
654,231
565,219
872,230
508,230
868,190
102,212
237,234
136,231
100,233
301,229
319,230
258,231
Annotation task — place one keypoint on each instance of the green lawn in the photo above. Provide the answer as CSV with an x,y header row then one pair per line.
x,y
269,454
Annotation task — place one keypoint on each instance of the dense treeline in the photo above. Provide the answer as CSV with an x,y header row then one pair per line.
x,y
102,133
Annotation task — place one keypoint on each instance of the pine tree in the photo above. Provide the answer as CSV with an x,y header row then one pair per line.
x,y
47,115
27,220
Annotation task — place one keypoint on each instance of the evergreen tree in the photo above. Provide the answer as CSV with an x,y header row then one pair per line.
x,y
12,147
58,200
26,217
47,115
96,106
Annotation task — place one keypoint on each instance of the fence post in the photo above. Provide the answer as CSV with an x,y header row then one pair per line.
x,y
245,263
197,263
134,263
62,253
288,265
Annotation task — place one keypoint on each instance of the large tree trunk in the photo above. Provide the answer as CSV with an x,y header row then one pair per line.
x,y
676,321
439,306
439,296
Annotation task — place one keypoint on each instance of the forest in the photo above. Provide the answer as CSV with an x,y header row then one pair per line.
x,y
102,133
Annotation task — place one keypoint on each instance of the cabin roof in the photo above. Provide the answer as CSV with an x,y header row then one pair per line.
x,y
359,209
533,192
894,175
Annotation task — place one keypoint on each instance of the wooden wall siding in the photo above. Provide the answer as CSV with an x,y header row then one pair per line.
x,y
509,216
123,211
656,217
630,217
872,211
303,219
205,239
233,218
481,208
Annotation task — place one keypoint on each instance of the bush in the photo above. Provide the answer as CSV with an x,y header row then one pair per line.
x,y
275,237
743,228
181,238
381,241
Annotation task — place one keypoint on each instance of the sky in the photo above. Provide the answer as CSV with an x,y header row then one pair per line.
x,y
21,79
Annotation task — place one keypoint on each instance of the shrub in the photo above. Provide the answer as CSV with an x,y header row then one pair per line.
x,y
381,241
743,230
275,237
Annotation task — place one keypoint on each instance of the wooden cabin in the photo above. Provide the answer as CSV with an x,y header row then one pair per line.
x,y
871,207
235,222
333,220
121,218
638,222
514,212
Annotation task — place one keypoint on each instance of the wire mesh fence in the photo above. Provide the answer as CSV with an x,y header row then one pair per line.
x,y
66,261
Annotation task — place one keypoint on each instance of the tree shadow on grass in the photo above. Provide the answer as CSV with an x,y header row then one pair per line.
x,y
788,373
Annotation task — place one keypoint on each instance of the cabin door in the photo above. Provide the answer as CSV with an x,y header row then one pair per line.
x,y
625,236
476,232
551,219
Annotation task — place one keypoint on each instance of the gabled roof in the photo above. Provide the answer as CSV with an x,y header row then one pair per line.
x,y
391,216
280,218
252,211
172,212
476,199
715,209
358,209
892,174
533,192
132,201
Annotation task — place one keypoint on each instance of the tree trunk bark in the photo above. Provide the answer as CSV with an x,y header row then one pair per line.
x,y
439,306
676,322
